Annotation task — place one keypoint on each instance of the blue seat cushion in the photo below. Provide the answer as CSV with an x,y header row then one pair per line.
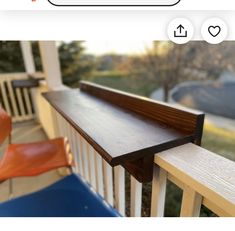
x,y
69,197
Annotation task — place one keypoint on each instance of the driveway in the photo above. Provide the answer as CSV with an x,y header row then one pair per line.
x,y
216,99
212,97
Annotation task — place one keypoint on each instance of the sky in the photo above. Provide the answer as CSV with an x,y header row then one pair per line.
x,y
117,47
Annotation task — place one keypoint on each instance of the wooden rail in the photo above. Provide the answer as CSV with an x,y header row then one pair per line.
x,y
206,178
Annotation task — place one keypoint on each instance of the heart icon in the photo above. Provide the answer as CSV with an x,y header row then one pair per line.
x,y
214,30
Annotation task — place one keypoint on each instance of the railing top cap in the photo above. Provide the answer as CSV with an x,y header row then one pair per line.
x,y
211,175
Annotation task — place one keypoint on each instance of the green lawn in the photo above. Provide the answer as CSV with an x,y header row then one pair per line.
x,y
214,139
219,140
124,82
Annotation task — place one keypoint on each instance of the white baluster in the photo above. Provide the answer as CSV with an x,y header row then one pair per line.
x,y
85,159
191,203
119,186
91,162
136,197
158,192
99,174
108,182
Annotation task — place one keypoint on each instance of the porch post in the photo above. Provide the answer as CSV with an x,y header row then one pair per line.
x,y
51,64
51,69
30,68
28,57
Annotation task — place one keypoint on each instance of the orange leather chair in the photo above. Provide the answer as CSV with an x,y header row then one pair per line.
x,y
33,158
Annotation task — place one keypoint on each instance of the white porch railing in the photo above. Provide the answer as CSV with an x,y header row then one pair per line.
x,y
206,178
17,102
107,181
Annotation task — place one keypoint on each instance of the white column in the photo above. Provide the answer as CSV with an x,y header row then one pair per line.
x,y
51,69
30,68
28,57
51,64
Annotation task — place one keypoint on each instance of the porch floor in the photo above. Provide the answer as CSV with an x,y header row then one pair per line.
x,y
26,132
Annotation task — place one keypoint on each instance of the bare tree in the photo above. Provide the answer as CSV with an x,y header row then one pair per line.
x,y
169,64
165,63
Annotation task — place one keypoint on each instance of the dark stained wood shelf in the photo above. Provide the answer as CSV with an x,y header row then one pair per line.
x,y
126,129
25,83
31,82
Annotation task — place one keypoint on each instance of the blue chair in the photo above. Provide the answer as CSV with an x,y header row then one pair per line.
x,y
69,197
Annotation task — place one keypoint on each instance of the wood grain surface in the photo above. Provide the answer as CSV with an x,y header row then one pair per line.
x,y
125,129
